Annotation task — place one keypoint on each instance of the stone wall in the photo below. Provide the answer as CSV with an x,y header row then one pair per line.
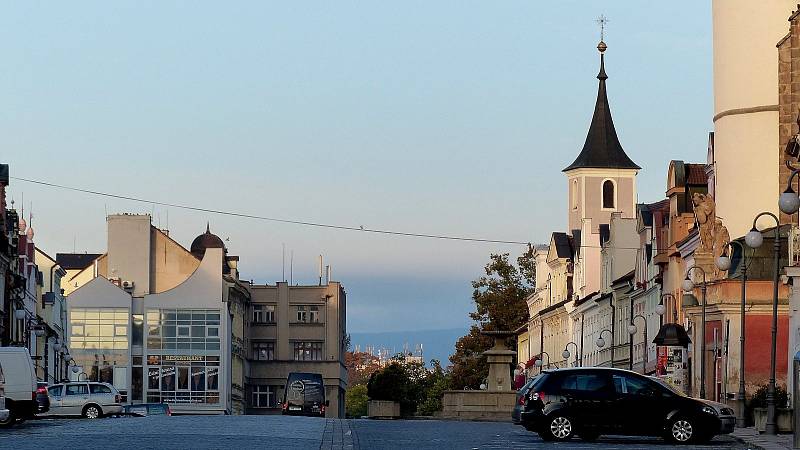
x,y
788,97
478,405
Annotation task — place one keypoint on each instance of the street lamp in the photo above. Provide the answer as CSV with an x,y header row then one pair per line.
x,y
602,343
754,239
688,286
632,330
566,353
538,362
724,263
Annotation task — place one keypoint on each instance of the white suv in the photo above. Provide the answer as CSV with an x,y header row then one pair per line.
x,y
88,399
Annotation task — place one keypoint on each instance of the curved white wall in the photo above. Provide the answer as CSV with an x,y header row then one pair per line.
x,y
746,76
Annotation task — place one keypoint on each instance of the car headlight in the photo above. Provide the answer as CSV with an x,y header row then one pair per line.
x,y
709,410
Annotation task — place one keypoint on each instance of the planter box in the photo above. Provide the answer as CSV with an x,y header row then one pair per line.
x,y
783,417
383,409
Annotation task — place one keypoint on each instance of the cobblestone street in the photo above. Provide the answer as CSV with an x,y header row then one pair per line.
x,y
299,433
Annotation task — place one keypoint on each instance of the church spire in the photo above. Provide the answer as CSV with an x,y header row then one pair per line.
x,y
602,148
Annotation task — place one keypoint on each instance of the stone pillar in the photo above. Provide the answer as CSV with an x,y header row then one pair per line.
x,y
500,359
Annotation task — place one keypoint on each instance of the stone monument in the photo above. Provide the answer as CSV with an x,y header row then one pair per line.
x,y
496,401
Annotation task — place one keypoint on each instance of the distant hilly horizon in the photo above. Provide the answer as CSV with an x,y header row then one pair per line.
x,y
436,344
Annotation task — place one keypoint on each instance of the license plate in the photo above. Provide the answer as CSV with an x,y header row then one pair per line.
x,y
295,408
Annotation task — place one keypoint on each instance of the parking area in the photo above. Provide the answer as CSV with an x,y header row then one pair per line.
x,y
299,433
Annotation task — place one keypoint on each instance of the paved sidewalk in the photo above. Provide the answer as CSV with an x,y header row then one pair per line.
x,y
752,437
338,435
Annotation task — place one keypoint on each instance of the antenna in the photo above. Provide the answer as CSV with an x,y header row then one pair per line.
x,y
283,261
291,268
320,270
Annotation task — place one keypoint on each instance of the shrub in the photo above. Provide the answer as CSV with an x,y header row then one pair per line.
x,y
355,401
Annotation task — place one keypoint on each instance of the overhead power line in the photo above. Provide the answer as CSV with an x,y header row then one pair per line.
x,y
271,219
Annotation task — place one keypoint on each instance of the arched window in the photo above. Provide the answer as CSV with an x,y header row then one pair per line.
x,y
574,194
608,194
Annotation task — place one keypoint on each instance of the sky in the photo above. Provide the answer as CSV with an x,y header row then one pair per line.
x,y
428,117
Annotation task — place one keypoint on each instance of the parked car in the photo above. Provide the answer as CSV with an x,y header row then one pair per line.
x,y
304,395
589,402
91,400
4,412
148,409
20,385
42,398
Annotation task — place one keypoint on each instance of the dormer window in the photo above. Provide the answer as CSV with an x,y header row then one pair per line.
x,y
608,195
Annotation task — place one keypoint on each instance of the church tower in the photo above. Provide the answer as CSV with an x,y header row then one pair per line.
x,y
602,179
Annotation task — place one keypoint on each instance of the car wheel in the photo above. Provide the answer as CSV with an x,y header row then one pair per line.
x,y
681,431
9,422
560,428
92,412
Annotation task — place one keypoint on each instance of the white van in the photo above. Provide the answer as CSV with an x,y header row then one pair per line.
x,y
20,386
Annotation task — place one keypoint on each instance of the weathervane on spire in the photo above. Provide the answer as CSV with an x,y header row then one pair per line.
x,y
602,21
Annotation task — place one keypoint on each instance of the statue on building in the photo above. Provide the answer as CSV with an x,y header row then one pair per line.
x,y
721,241
705,215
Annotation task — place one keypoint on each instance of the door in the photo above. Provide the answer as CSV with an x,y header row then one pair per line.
x,y
639,407
56,394
587,395
75,396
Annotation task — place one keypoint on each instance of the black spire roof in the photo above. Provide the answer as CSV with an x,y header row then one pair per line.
x,y
602,148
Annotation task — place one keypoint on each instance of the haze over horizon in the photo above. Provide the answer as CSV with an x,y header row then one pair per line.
x,y
451,118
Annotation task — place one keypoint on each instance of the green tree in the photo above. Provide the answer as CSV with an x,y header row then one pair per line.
x,y
499,298
355,400
393,383
437,381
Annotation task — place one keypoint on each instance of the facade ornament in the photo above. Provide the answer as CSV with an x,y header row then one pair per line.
x,y
722,240
705,215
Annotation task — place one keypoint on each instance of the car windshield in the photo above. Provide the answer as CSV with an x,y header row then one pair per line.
x,y
669,386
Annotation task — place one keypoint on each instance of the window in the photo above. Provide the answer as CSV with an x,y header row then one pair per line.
x,y
302,314
77,389
269,313
608,194
55,391
265,396
574,194
99,389
307,351
583,382
314,314
625,384
258,314
263,351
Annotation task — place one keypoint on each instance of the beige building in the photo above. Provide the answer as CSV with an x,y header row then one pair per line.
x,y
158,321
296,329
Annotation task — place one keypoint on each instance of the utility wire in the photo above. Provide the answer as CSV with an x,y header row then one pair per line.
x,y
271,219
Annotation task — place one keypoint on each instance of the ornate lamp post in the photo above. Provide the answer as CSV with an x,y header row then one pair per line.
x,y
602,343
724,263
688,285
661,309
632,331
566,354
539,363
754,239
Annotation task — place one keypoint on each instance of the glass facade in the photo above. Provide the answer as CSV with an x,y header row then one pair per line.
x,y
98,341
183,355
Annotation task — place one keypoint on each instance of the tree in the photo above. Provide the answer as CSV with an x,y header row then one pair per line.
x,y
355,400
392,383
437,381
500,304
360,366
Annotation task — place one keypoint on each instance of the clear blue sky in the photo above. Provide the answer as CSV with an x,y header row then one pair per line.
x,y
435,117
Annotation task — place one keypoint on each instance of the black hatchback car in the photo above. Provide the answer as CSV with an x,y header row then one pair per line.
x,y
589,402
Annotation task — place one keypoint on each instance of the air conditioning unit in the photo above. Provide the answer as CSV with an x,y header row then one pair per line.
x,y
127,285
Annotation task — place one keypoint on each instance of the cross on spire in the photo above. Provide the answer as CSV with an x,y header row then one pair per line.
x,y
602,21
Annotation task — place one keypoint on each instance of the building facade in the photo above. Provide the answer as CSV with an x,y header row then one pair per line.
x,y
296,329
